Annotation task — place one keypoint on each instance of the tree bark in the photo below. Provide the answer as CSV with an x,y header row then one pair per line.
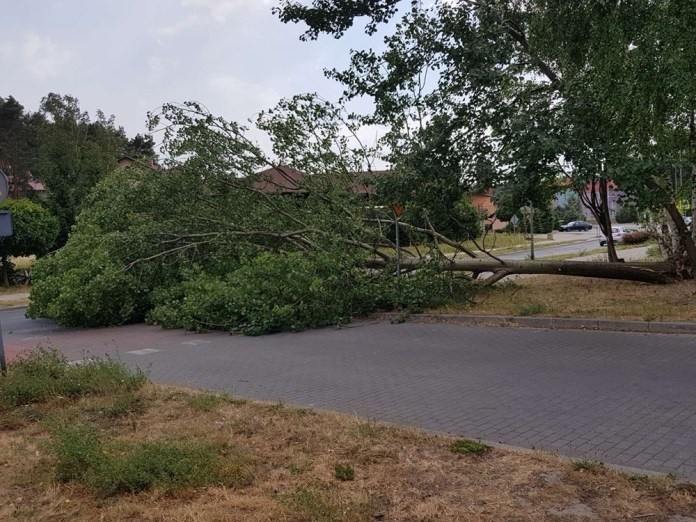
x,y
644,272
684,234
604,196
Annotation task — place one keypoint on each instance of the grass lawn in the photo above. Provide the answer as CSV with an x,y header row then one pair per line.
x,y
563,296
97,442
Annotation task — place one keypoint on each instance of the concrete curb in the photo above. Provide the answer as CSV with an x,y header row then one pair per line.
x,y
554,323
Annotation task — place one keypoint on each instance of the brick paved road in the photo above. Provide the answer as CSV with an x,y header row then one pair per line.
x,y
626,399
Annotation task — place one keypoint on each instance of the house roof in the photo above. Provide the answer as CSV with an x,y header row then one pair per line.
x,y
287,180
279,180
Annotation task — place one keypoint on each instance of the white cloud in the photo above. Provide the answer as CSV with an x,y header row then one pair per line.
x,y
221,9
42,57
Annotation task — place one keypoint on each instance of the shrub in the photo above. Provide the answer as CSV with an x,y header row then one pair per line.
x,y
44,374
636,237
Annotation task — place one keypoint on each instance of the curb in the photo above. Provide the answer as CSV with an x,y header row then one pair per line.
x,y
553,323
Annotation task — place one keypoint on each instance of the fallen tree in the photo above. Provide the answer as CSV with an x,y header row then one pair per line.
x,y
213,242
662,272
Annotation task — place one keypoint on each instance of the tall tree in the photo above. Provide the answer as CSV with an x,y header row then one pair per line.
x,y
74,154
592,90
17,144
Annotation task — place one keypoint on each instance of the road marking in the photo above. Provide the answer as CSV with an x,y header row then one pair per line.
x,y
196,343
144,351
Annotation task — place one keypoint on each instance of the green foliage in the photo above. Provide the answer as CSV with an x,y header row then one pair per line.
x,y
76,447
73,154
571,211
294,292
201,246
83,285
34,229
42,375
344,472
627,214
113,468
470,447
431,197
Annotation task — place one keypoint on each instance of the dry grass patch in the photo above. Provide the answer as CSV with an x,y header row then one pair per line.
x,y
562,296
153,453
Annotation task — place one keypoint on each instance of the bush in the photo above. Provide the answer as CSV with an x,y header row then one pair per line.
x,y
636,237
45,374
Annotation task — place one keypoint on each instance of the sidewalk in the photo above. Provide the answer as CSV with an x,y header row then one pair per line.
x,y
10,300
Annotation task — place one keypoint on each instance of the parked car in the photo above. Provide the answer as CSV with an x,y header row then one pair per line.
x,y
617,233
582,226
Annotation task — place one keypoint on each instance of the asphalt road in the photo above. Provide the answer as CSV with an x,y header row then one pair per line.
x,y
622,398
585,241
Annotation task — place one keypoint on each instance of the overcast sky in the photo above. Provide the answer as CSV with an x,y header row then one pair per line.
x,y
126,57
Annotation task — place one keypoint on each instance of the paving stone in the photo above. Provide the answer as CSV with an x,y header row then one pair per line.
x,y
623,398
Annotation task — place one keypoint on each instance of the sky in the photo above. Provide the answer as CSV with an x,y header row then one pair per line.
x,y
126,57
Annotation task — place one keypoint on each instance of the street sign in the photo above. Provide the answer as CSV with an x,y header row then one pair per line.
x,y
5,223
398,210
514,220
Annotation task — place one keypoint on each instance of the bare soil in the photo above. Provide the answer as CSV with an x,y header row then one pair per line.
x,y
400,474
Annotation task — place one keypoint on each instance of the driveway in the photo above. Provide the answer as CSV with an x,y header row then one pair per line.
x,y
622,398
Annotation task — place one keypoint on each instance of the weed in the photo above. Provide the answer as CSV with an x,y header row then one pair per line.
x,y
133,467
122,406
207,401
44,374
528,309
344,472
77,449
277,407
590,465
639,478
470,447
319,504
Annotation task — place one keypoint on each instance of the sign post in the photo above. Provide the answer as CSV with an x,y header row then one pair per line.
x,y
514,220
5,230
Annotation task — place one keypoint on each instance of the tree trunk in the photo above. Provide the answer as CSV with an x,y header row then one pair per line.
x,y
683,233
604,196
646,272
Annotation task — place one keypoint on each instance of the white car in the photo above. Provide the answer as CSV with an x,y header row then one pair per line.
x,y
617,233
